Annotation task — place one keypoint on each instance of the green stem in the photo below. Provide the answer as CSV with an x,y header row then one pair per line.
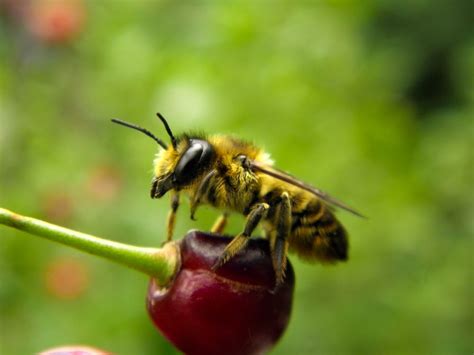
x,y
160,263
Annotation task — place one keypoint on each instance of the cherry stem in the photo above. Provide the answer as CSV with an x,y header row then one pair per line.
x,y
159,263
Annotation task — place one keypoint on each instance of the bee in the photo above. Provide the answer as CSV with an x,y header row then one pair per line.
x,y
236,176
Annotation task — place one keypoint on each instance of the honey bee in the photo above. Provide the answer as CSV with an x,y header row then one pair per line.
x,y
236,176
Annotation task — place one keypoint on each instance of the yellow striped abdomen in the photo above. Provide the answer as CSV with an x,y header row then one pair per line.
x,y
316,234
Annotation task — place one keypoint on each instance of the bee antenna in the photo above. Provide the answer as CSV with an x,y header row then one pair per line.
x,y
168,129
140,129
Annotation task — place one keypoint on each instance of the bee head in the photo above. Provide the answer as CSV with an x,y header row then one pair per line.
x,y
178,165
179,168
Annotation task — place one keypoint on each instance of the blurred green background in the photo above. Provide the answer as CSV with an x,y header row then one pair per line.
x,y
371,101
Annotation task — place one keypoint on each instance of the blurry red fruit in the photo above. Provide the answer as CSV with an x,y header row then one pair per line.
x,y
57,205
55,21
12,8
104,183
66,279
74,350
233,310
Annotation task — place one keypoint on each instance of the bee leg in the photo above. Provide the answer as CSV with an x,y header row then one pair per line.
x,y
220,224
280,245
172,215
201,191
257,213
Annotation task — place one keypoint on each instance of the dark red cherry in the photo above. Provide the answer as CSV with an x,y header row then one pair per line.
x,y
233,310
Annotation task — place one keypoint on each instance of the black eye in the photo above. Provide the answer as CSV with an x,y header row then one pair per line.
x,y
196,158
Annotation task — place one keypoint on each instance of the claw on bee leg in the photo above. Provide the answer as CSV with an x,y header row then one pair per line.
x,y
236,245
279,260
193,211
280,246
258,212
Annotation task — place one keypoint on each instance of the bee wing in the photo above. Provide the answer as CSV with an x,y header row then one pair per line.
x,y
281,175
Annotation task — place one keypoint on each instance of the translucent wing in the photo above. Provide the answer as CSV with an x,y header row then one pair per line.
x,y
281,175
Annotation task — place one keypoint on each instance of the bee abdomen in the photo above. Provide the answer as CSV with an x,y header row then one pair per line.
x,y
317,234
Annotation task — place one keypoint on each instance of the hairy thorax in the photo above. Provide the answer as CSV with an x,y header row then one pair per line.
x,y
233,188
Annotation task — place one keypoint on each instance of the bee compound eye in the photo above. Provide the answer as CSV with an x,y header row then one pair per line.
x,y
193,160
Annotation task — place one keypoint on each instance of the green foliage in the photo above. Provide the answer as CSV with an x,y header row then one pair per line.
x,y
372,102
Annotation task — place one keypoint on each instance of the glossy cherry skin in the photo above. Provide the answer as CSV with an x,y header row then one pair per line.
x,y
232,310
